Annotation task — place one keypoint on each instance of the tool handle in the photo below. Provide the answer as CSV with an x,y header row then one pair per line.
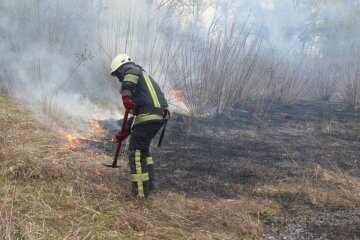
x,y
162,135
123,129
166,117
123,125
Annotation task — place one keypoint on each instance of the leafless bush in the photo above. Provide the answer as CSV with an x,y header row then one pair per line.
x,y
240,65
214,71
291,78
191,71
350,84
325,75
262,86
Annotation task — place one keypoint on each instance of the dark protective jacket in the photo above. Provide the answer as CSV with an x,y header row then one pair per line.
x,y
146,93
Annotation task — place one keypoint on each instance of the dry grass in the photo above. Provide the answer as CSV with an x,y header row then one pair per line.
x,y
322,189
50,192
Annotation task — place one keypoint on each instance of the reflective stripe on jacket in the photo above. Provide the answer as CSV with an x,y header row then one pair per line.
x,y
146,93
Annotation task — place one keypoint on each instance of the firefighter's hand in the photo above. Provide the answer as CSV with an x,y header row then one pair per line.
x,y
129,104
121,136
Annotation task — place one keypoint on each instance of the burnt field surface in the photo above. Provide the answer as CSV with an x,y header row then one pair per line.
x,y
304,157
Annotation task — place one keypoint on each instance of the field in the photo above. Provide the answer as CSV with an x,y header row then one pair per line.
x,y
291,174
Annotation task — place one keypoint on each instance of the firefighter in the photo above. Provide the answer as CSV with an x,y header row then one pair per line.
x,y
142,96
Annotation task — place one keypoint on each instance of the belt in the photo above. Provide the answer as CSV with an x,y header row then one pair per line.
x,y
149,110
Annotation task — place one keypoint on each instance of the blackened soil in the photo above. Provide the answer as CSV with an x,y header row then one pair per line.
x,y
228,157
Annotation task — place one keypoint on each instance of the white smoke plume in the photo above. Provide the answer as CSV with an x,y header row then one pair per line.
x,y
55,55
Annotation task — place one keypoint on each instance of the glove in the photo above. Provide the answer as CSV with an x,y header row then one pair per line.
x,y
121,136
128,103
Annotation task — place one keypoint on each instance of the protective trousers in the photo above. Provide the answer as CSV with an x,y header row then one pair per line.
x,y
140,159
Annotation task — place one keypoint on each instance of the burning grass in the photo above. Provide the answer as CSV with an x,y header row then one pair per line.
x,y
49,191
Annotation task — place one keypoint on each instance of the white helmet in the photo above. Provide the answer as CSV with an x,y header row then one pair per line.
x,y
118,61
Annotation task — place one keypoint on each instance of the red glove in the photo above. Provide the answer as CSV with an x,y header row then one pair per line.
x,y
121,136
129,104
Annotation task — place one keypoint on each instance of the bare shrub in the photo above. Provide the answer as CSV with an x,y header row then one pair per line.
x,y
263,87
214,71
237,70
191,72
325,76
326,81
350,84
291,78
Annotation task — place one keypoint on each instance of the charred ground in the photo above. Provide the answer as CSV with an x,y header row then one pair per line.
x,y
305,157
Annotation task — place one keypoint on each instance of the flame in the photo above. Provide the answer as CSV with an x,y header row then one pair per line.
x,y
93,131
98,129
98,172
71,141
72,138
178,100
177,97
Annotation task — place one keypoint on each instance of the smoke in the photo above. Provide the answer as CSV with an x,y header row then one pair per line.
x,y
327,28
56,55
39,45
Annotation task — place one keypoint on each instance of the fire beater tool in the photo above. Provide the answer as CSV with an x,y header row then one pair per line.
x,y
166,117
123,129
